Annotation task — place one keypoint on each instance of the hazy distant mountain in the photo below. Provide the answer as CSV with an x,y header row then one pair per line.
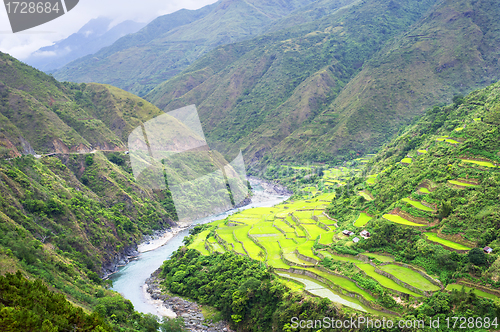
x,y
93,36
139,62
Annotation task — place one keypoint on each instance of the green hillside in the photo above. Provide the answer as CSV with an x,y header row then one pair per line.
x,y
341,84
71,210
41,115
423,256
140,61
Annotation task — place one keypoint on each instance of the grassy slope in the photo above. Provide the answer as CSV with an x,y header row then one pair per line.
x,y
324,110
466,216
449,52
38,113
139,62
257,93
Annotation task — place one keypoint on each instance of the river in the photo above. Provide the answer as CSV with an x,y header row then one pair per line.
x,y
131,278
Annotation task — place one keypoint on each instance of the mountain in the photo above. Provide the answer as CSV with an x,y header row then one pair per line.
x,y
259,94
73,205
70,208
167,45
413,234
431,195
93,36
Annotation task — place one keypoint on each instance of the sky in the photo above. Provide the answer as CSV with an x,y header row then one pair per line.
x,y
20,45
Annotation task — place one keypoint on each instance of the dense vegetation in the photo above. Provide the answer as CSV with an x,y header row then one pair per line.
x,y
140,61
429,199
29,306
341,84
67,218
243,289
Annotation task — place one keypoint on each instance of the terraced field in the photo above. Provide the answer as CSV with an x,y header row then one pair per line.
x,y
480,163
418,205
362,220
384,281
447,140
478,292
372,179
199,243
365,196
271,235
409,276
461,184
380,258
435,238
400,220
322,290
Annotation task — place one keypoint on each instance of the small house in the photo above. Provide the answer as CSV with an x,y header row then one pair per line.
x,y
365,233
488,250
355,240
348,233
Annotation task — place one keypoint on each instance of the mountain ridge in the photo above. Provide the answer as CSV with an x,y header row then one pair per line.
x,y
169,43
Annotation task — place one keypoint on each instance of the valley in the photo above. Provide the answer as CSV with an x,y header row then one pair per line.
x,y
248,163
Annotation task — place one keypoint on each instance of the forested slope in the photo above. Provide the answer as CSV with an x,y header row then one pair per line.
x,y
139,62
435,191
342,84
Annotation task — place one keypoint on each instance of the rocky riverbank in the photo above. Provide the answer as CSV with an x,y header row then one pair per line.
x,y
270,189
120,259
189,311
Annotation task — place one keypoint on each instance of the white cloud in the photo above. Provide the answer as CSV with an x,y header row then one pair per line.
x,y
22,44
44,54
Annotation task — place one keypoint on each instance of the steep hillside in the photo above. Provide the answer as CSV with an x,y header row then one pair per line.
x,y
259,94
139,62
343,84
436,184
40,115
71,210
451,51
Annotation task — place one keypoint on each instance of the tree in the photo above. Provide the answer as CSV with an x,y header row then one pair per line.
x,y
477,257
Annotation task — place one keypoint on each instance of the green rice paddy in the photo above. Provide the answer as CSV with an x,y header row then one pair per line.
x,y
434,238
199,243
406,161
480,163
422,151
381,258
400,220
372,179
313,231
384,281
362,220
462,184
478,292
326,238
424,190
344,283
409,276
418,205
365,196
350,259
320,289
447,140
294,237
